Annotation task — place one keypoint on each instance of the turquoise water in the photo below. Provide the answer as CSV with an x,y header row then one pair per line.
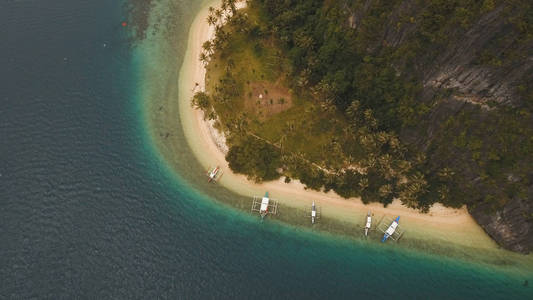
x,y
98,202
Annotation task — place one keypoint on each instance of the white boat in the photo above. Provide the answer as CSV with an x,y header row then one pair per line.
x,y
263,210
213,174
392,228
264,205
368,223
313,213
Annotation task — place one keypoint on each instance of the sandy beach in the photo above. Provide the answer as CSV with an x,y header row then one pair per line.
x,y
442,223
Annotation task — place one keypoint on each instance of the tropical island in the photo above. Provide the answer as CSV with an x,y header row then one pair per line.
x,y
426,102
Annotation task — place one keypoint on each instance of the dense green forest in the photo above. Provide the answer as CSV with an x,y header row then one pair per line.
x,y
336,94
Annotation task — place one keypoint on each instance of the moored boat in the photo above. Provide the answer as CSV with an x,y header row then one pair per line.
x,y
368,222
392,228
213,174
313,213
263,210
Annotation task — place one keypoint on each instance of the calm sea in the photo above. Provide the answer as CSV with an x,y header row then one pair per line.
x,y
89,209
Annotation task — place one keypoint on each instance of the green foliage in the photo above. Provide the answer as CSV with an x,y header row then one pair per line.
x,y
492,150
201,101
254,158
347,185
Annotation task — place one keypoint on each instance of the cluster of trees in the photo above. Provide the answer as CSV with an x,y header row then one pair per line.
x,y
218,104
341,62
255,158
217,17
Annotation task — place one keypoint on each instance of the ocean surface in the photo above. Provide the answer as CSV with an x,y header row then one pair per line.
x,y
92,208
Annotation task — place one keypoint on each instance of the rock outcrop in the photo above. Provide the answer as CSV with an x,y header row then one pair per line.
x,y
511,227
461,68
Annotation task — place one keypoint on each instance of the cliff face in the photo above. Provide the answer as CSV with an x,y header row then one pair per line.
x,y
457,67
511,227
483,61
479,68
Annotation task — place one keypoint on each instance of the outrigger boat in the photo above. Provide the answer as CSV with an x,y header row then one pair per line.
x,y
313,213
264,205
390,231
214,174
368,223
263,210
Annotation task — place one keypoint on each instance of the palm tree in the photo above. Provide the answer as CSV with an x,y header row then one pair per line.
x,y
371,122
382,137
385,190
349,132
385,161
204,58
208,47
231,4
445,173
303,79
328,106
282,141
289,126
352,110
218,15
220,37
231,64
224,5
420,158
242,123
211,20
367,140
415,187
443,192
363,183
394,142
403,166
370,161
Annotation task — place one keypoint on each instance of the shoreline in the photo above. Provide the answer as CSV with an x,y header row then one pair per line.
x,y
448,224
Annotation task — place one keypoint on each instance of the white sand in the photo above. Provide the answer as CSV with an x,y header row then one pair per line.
x,y
445,223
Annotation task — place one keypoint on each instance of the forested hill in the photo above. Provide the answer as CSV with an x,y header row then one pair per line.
x,y
432,101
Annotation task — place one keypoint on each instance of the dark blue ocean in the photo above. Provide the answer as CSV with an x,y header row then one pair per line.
x,y
89,209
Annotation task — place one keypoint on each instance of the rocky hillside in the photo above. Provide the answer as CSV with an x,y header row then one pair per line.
x,y
509,226
476,72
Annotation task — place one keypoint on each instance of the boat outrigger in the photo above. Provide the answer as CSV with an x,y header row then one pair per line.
x,y
213,174
368,223
392,228
264,205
